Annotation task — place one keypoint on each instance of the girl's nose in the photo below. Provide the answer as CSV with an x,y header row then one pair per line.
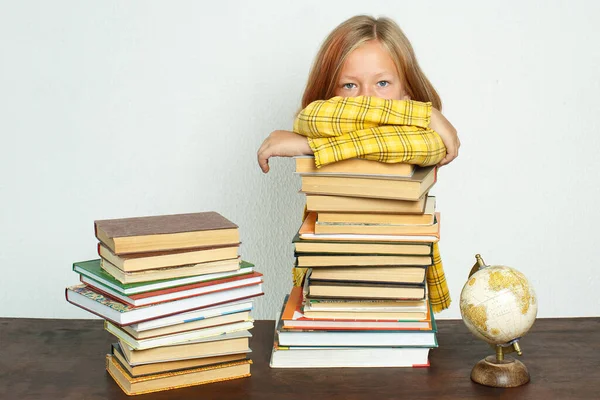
x,y
366,91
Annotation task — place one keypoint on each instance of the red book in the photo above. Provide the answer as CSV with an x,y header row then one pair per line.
x,y
178,292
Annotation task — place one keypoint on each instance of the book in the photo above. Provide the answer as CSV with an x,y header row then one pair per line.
x,y
318,260
178,337
360,290
329,203
166,232
91,273
188,325
377,229
359,247
427,218
155,368
348,357
360,309
181,292
231,343
120,313
195,315
164,259
353,166
212,267
293,317
176,379
371,274
307,231
374,186
364,338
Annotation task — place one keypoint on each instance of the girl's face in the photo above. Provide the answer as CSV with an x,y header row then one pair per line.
x,y
370,71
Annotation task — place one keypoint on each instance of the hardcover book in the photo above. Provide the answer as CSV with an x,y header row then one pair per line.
x,y
182,292
307,231
293,317
318,260
155,368
377,229
178,337
343,204
305,246
397,188
230,343
92,273
120,313
212,267
166,232
165,259
176,379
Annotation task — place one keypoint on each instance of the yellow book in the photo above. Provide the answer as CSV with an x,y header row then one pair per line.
x,y
175,379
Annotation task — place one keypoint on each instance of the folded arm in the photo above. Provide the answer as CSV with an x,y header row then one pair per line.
x,y
391,131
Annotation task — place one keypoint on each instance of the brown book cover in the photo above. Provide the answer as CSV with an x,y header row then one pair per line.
x,y
166,232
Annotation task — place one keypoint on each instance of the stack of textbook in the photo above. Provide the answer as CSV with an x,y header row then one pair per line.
x,y
367,243
177,297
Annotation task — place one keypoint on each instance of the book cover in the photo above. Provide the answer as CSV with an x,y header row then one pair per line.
x,y
168,366
120,313
182,292
307,231
178,337
396,188
377,229
166,232
92,269
293,317
164,259
318,260
175,379
331,203
307,246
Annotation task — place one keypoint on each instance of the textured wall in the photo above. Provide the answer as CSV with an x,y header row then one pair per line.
x,y
117,109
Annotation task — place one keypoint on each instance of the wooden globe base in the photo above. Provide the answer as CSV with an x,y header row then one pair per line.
x,y
506,373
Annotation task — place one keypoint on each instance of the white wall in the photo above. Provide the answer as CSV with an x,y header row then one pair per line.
x,y
114,109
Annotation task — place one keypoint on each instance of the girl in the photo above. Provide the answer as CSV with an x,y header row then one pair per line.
x,y
367,97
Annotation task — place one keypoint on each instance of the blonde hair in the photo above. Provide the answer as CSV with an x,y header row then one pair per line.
x,y
349,35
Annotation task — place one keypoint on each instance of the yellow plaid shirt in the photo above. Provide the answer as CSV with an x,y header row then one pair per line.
x,y
391,131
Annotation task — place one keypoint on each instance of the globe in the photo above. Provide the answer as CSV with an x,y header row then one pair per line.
x,y
498,304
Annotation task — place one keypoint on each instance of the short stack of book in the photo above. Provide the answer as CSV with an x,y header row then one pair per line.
x,y
175,293
367,243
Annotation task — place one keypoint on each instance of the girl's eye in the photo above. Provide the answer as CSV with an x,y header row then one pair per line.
x,y
348,85
383,83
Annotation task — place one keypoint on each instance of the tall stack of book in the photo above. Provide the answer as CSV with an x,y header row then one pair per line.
x,y
367,243
174,292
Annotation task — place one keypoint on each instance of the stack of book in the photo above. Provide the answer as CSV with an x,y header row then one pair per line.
x,y
367,242
175,293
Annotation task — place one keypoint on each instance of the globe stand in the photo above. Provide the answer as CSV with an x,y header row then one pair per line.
x,y
501,371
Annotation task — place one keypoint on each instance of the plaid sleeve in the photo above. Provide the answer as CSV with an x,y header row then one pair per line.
x,y
389,144
390,131
339,115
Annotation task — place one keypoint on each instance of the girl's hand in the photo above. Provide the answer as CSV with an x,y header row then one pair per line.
x,y
449,136
282,144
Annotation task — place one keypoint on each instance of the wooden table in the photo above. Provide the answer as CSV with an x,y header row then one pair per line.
x,y
64,359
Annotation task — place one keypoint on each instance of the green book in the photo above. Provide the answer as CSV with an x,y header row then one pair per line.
x,y
92,270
